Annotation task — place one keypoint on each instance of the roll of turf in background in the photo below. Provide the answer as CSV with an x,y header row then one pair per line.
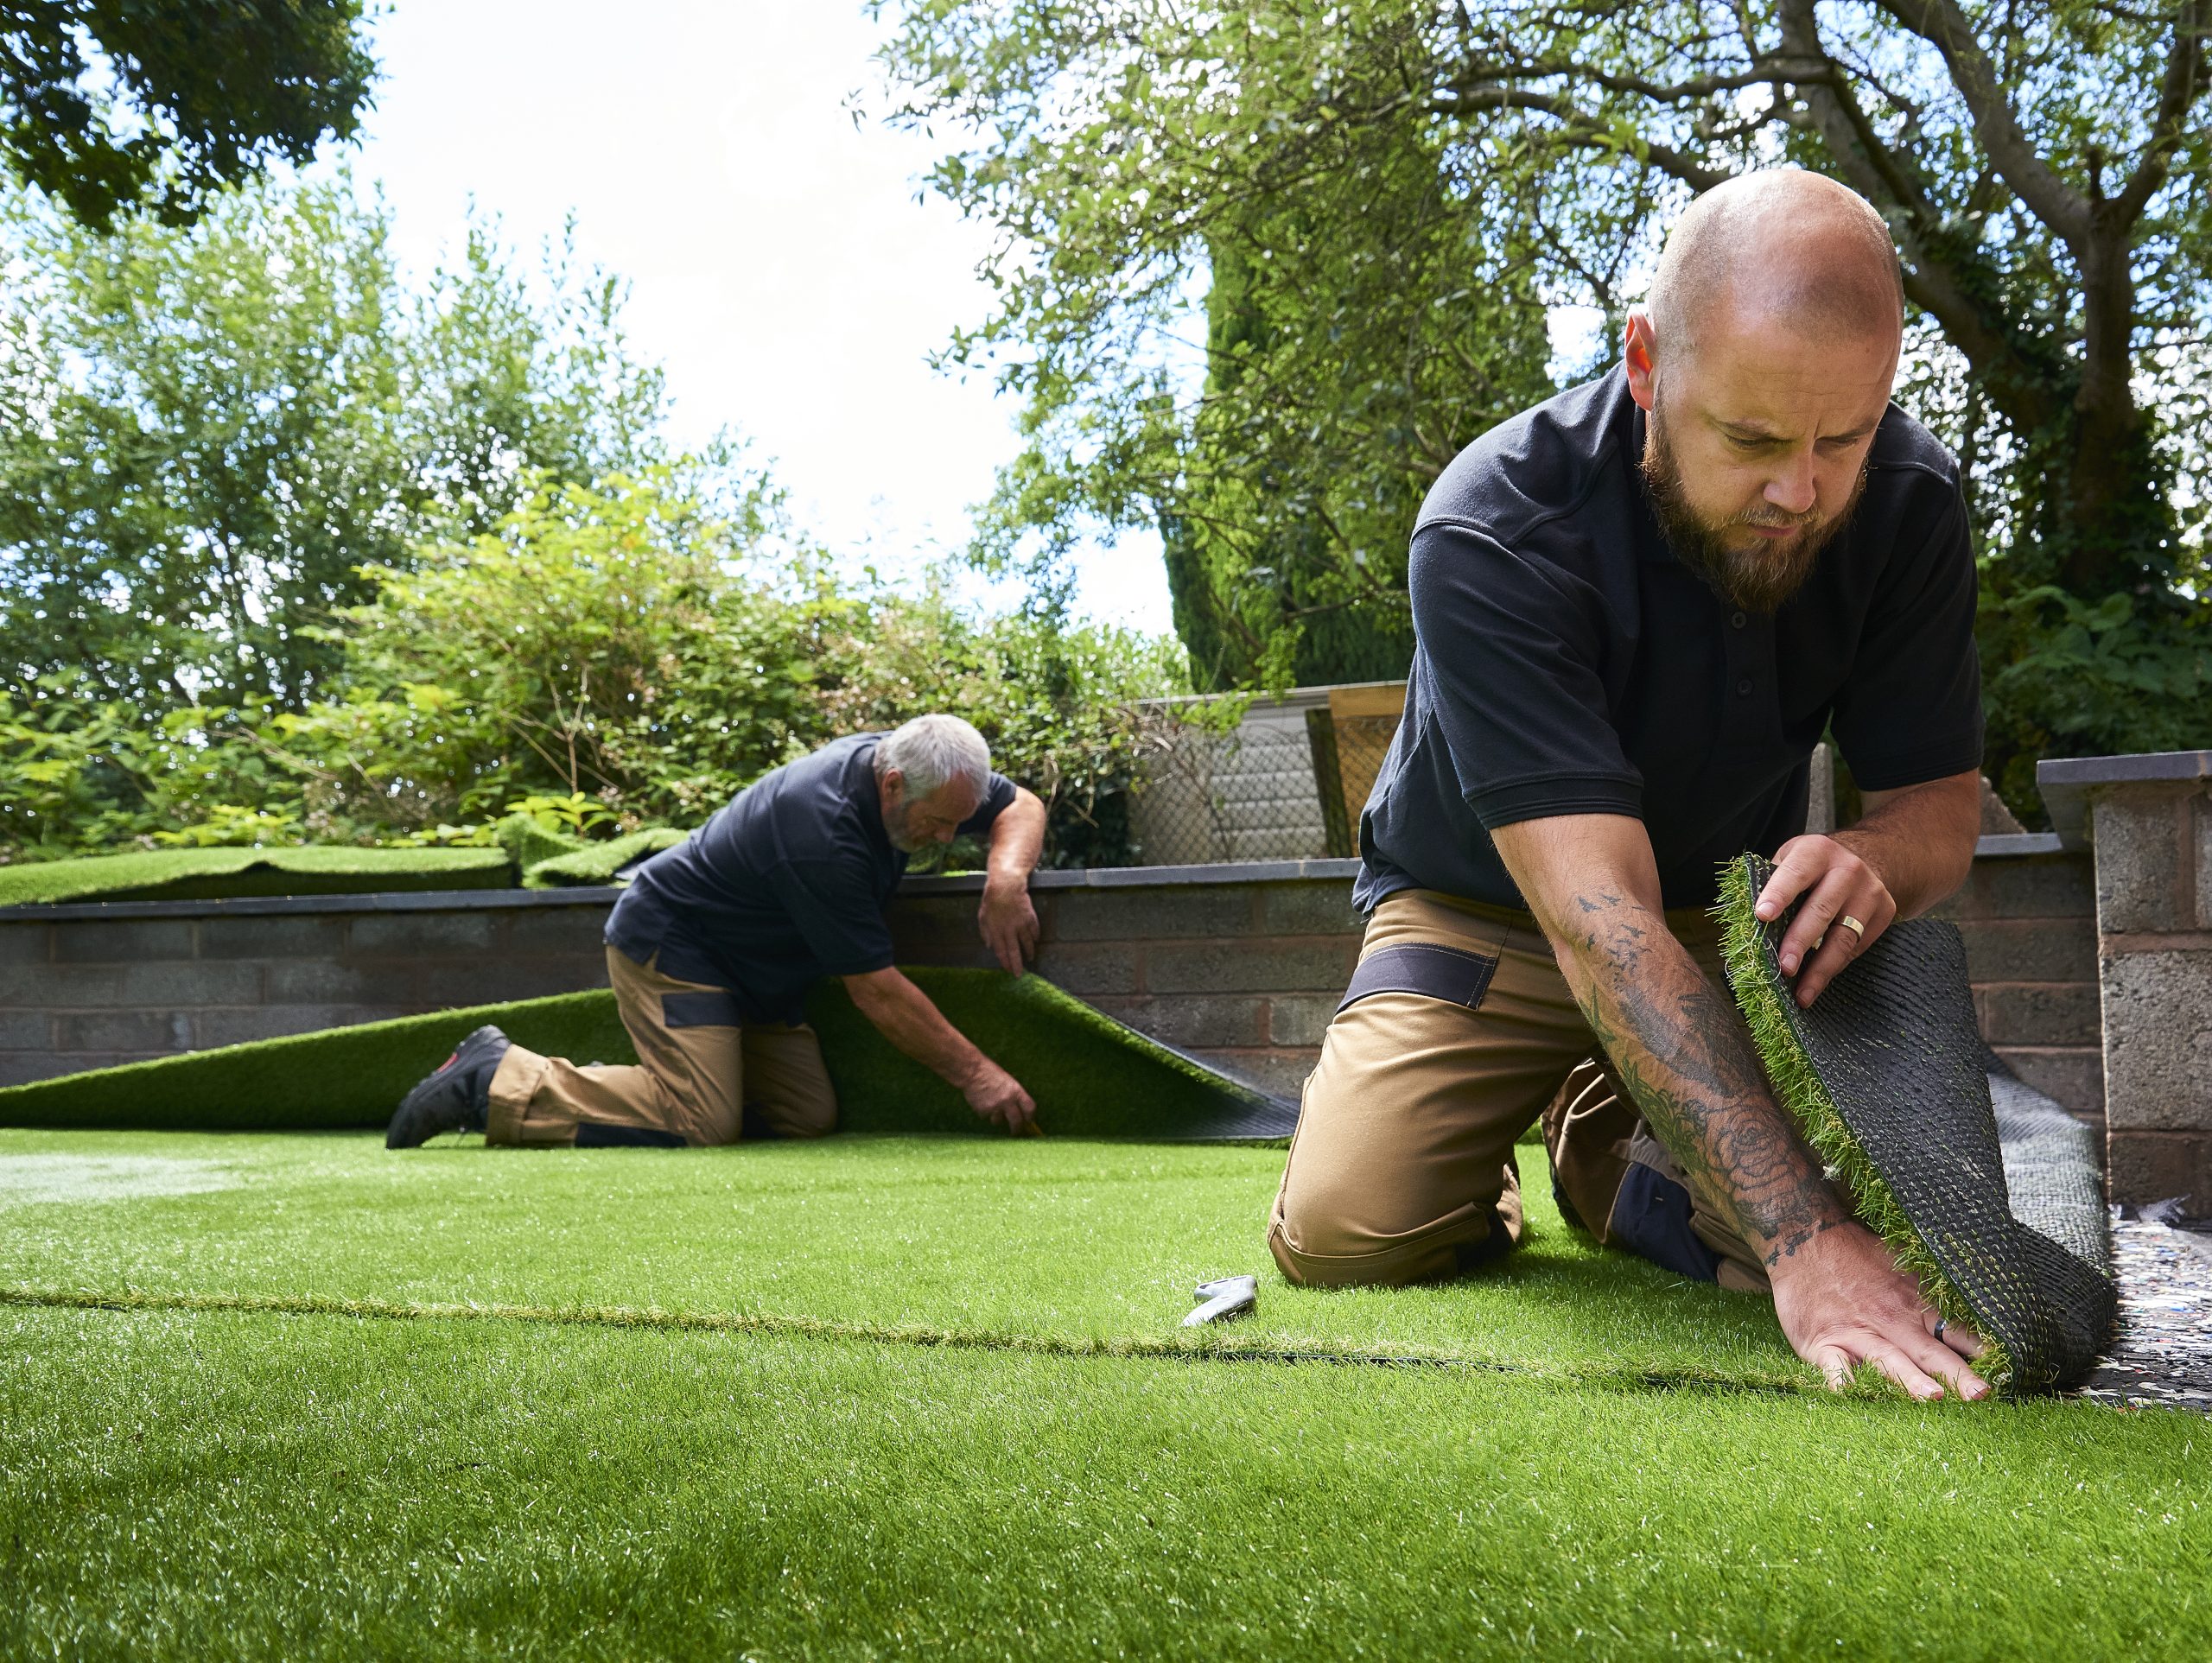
x,y
1886,1076
1092,1077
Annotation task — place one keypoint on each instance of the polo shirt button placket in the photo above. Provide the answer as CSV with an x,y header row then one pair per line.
x,y
1739,620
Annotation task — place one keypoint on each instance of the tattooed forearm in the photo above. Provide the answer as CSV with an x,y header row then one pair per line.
x,y
1675,1044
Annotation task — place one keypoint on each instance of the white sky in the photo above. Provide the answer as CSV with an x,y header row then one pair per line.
x,y
781,266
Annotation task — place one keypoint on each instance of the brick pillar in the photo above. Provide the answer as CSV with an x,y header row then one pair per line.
x,y
2150,820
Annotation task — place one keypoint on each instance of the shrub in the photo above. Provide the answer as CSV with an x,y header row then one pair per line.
x,y
605,659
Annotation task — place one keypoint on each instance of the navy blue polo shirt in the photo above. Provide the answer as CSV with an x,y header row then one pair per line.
x,y
1566,662
784,886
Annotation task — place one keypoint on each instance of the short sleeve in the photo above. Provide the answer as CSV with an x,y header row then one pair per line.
x,y
998,797
1910,709
838,915
1518,693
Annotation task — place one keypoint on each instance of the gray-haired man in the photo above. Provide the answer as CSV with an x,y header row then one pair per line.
x,y
713,947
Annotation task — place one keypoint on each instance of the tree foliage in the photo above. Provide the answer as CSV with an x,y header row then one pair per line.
x,y
205,433
607,657
107,105
2043,166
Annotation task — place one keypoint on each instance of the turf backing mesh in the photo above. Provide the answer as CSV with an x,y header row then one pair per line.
x,y
1091,1076
1885,1074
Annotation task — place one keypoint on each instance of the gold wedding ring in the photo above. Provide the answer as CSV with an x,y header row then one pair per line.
x,y
1854,926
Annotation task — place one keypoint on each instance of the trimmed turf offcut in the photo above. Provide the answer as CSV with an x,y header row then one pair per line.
x,y
254,1487
202,874
598,863
1090,1076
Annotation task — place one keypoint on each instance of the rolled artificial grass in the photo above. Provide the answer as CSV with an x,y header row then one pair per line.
x,y
1090,1076
257,1486
1885,1076
204,875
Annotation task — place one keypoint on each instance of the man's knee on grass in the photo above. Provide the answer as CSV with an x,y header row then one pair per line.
x,y
1331,1236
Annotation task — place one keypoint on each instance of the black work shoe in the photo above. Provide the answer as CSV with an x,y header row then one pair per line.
x,y
455,1096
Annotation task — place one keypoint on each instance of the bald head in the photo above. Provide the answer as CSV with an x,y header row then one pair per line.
x,y
1780,248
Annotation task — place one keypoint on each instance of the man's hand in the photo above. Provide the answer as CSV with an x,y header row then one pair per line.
x,y
1912,847
1008,922
903,1014
1842,1301
997,1096
1836,884
1678,1047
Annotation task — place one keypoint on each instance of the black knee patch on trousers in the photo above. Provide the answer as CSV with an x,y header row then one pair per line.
x,y
591,1134
1473,1255
1651,1216
1451,973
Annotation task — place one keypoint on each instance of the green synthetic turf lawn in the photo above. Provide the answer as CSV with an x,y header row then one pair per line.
x,y
1089,1075
294,1395
193,874
215,1485
1046,1242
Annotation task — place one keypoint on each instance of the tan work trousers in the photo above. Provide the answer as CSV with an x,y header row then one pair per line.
x,y
1402,1169
701,1075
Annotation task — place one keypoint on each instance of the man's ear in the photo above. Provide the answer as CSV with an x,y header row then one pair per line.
x,y
1637,342
893,783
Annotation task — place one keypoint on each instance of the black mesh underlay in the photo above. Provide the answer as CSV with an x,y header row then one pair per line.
x,y
1894,1041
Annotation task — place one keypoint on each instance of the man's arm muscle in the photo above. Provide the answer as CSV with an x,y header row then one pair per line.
x,y
1675,1042
1672,1035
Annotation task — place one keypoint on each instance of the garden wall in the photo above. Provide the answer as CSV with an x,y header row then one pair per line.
x,y
1242,964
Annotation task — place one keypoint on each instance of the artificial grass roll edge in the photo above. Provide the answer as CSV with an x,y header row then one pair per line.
x,y
1091,1075
331,1080
1770,1013
600,863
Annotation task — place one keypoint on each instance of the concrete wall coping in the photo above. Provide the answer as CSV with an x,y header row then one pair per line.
x,y
1223,871
1999,845
957,883
470,900
2066,782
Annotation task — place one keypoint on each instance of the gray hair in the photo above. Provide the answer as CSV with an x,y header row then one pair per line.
x,y
934,751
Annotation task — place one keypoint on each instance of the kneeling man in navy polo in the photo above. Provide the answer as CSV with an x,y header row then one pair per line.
x,y
1637,608
713,947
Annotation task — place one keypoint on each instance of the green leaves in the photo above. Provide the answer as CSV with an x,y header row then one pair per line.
x,y
111,104
207,434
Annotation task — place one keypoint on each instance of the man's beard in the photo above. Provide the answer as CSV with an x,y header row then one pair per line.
x,y
1759,578
898,829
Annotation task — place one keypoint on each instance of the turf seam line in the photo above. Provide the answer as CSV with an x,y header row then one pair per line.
x,y
652,1317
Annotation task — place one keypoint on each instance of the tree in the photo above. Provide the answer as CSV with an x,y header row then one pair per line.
x,y
205,433
2045,167
1132,158
114,104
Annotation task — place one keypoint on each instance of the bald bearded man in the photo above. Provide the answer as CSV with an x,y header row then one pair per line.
x,y
1637,608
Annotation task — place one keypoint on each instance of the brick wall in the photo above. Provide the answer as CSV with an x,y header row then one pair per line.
x,y
1239,964
86,986
1242,965
1243,972
2030,922
2150,820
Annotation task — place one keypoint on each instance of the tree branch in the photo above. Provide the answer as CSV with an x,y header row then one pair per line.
x,y
2184,81
2049,198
